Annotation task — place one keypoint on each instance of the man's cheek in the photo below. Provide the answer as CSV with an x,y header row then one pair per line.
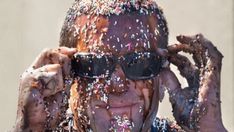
x,y
137,116
101,119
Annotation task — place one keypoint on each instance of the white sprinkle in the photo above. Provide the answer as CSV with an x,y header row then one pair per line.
x,y
115,23
137,20
145,36
148,44
118,40
156,31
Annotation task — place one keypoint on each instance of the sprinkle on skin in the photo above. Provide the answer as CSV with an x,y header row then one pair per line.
x,y
121,45
145,36
104,30
118,40
156,31
144,44
137,44
129,45
125,35
133,36
141,23
140,109
115,23
137,20
148,44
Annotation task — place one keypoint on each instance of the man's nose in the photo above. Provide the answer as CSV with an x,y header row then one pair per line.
x,y
118,81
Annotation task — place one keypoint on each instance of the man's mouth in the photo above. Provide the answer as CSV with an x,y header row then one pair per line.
x,y
131,111
129,107
118,105
118,109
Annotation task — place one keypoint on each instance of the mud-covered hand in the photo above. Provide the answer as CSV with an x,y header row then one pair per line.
x,y
196,107
41,91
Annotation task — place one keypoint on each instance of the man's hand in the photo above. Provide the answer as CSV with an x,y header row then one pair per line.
x,y
41,103
197,107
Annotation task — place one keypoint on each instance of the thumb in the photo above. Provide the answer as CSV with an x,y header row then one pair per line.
x,y
169,80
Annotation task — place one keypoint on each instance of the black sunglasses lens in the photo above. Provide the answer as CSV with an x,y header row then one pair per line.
x,y
136,66
91,66
142,65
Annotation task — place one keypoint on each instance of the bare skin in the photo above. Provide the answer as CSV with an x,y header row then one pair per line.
x,y
99,104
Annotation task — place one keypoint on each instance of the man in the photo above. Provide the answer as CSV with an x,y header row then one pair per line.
x,y
118,54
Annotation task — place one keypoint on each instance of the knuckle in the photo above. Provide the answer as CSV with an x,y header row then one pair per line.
x,y
29,80
50,53
62,58
199,38
46,50
28,74
213,50
199,35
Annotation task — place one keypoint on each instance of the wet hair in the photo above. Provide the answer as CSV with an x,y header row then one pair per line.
x,y
68,35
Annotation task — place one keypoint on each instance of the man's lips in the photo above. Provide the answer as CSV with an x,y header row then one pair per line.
x,y
118,104
116,109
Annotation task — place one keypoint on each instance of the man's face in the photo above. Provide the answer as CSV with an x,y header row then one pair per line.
x,y
116,102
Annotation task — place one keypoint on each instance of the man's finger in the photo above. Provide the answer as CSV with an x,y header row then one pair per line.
x,y
175,48
185,39
213,52
67,51
186,68
192,45
47,56
50,56
198,46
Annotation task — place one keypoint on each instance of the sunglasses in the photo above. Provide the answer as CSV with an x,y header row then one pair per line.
x,y
136,66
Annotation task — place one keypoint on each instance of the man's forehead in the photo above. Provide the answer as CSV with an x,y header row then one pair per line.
x,y
128,32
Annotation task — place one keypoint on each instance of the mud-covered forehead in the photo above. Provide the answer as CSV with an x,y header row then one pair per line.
x,y
129,32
